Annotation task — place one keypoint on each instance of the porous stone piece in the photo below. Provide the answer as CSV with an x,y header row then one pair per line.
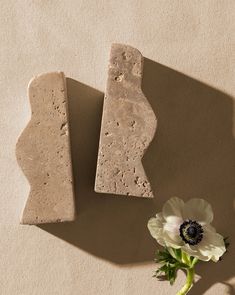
x,y
43,153
128,126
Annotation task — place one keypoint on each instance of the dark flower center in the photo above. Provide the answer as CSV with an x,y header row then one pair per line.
x,y
191,232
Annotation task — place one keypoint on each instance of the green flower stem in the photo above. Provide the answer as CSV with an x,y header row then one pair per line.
x,y
189,282
185,258
195,260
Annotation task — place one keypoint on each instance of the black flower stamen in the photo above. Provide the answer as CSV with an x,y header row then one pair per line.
x,y
191,232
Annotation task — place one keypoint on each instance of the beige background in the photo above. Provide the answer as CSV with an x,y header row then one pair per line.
x,y
190,84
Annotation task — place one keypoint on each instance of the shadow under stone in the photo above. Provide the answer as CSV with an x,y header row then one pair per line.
x,y
192,155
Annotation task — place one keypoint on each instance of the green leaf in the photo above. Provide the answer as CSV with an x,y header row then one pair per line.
x,y
178,254
170,260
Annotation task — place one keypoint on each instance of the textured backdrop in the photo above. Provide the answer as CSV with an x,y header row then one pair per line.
x,y
189,80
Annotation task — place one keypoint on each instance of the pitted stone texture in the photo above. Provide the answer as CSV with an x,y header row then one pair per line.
x,y
128,127
43,153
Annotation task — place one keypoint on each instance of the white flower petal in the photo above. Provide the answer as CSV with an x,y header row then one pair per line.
x,y
172,210
173,228
172,231
171,242
155,226
209,227
212,244
198,210
193,251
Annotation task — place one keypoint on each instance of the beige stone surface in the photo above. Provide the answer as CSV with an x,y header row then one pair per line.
x,y
189,81
128,127
43,152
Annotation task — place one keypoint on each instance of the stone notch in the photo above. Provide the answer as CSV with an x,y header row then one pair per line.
x,y
128,126
43,153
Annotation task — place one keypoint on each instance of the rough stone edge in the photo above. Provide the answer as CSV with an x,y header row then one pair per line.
x,y
102,117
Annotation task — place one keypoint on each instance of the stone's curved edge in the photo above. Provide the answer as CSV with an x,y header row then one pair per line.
x,y
125,102
36,156
123,46
44,75
27,221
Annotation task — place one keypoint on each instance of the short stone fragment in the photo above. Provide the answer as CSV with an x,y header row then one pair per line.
x,y
128,126
43,153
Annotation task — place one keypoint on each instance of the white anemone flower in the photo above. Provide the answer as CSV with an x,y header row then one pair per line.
x,y
186,226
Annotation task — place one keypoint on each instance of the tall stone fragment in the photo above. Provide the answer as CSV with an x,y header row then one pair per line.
x,y
128,127
43,153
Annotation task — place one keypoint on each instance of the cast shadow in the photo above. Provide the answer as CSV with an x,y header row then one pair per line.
x,y
192,155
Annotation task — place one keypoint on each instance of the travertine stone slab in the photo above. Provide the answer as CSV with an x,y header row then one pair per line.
x,y
128,127
43,153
